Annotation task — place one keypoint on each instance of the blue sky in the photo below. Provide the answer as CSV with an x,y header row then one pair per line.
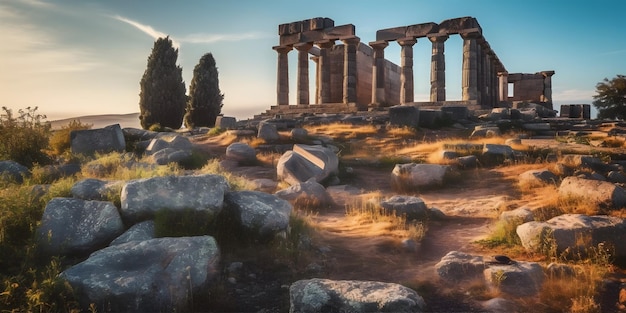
x,y
73,58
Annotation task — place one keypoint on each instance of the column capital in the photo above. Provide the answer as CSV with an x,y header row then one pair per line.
x,y
382,44
282,49
503,73
351,41
547,73
409,41
305,46
438,38
471,35
325,44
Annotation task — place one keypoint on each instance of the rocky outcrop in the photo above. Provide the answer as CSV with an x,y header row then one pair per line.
x,y
575,233
308,194
518,216
268,132
519,279
536,178
13,171
96,189
138,232
142,198
306,162
158,275
259,215
169,148
242,153
323,295
459,266
411,207
601,193
77,227
416,176
102,140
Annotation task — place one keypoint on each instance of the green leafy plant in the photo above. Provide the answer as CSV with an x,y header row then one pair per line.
x,y
23,138
60,143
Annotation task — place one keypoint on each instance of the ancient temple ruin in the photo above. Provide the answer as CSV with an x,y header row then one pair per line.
x,y
353,76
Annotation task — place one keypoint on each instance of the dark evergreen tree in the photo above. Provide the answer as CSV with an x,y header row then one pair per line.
x,y
610,98
162,98
205,98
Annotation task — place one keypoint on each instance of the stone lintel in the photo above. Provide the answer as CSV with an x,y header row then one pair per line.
x,y
332,33
351,40
390,34
458,25
316,23
295,27
421,30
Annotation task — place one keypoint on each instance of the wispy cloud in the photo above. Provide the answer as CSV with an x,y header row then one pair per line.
x,y
147,29
37,3
213,38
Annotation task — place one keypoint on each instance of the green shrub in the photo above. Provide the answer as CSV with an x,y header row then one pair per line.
x,y
60,140
24,138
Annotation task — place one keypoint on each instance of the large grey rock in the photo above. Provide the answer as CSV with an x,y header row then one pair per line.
x,y
268,132
258,214
533,178
459,266
96,189
416,176
485,132
103,140
493,153
309,194
158,275
576,233
78,227
137,134
138,232
169,147
520,279
593,191
519,215
409,206
500,305
404,116
300,135
323,295
578,160
306,162
13,171
242,153
225,122
142,198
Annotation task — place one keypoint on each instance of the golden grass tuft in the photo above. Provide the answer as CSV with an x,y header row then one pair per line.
x,y
342,131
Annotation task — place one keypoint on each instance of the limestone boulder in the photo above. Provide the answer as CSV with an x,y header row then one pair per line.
x,y
259,215
96,189
404,116
142,198
242,153
300,135
268,132
307,162
264,185
616,177
157,275
485,132
102,140
323,295
138,232
535,178
470,161
494,153
602,193
500,305
519,215
579,160
409,206
78,227
576,233
519,279
169,148
13,171
459,266
309,194
225,122
417,176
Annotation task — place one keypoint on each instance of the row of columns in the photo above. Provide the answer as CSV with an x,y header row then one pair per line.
x,y
323,76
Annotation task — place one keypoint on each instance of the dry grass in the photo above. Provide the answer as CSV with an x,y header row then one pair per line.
x,y
342,132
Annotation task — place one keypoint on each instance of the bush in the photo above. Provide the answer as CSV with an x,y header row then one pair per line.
x,y
24,138
60,142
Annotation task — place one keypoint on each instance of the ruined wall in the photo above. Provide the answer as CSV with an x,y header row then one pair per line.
x,y
526,87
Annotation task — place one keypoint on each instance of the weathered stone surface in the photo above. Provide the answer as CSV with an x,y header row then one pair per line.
x,y
520,279
323,295
268,132
225,122
157,275
136,134
616,177
104,140
168,147
599,192
429,118
259,214
470,161
307,162
404,116
412,175
411,207
578,160
264,184
96,189
519,215
14,171
500,305
308,193
560,270
142,198
299,135
78,227
485,132
241,152
576,232
459,266
138,232
540,177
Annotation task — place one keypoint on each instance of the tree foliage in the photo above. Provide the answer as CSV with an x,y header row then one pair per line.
x,y
610,98
205,98
162,98
24,138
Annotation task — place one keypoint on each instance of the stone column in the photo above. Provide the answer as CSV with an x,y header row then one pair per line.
x,y
282,77
503,78
303,72
378,72
470,65
547,86
438,69
316,59
350,70
407,84
324,63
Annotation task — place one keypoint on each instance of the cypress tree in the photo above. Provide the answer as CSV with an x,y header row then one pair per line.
x,y
162,98
205,98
